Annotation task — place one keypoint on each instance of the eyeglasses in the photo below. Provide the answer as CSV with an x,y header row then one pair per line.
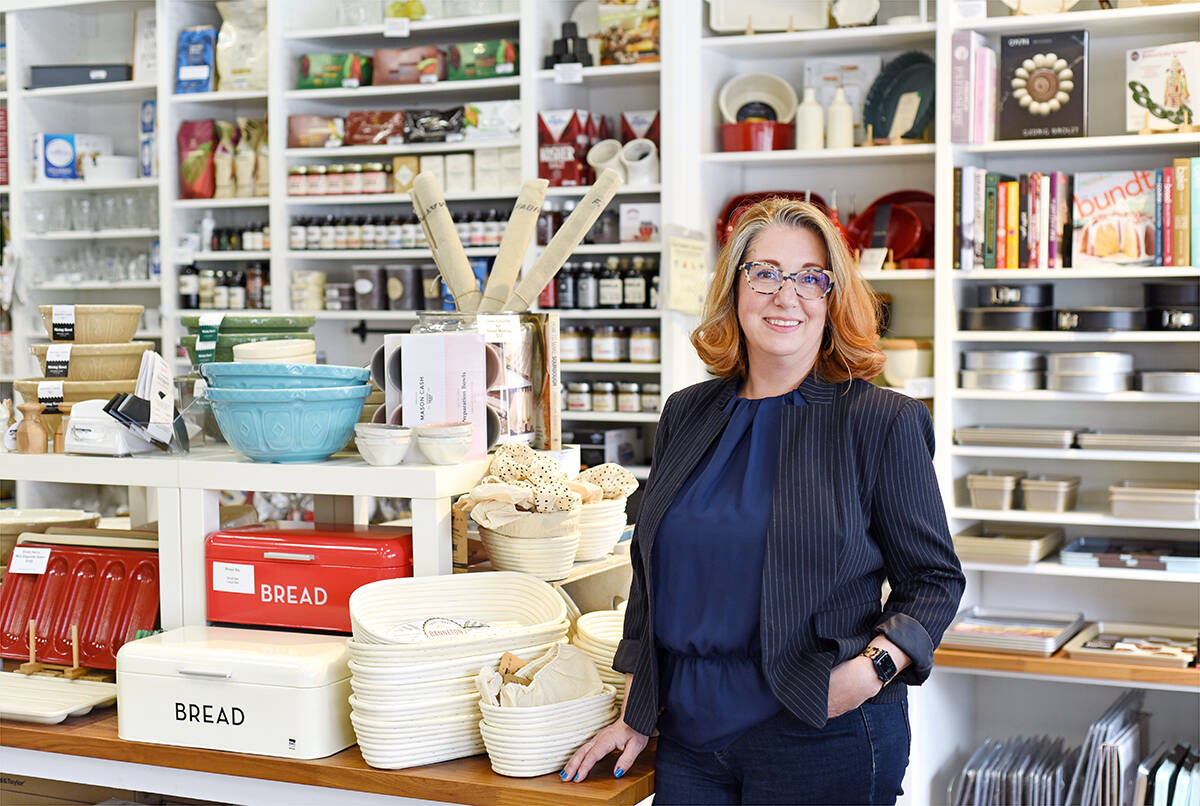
x,y
767,278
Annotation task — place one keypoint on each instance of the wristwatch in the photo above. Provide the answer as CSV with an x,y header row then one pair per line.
x,y
885,667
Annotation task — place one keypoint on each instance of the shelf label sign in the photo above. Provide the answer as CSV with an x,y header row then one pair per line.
x,y
206,337
568,73
397,27
50,394
62,322
58,360
232,578
29,560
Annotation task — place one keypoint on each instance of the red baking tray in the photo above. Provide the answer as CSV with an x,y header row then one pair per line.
x,y
109,593
299,575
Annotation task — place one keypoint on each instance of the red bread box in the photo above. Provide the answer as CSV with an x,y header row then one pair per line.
x,y
297,574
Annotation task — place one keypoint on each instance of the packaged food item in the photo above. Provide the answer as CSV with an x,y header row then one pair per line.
x,y
404,171
460,173
562,146
223,159
373,127
242,45
425,64
244,157
262,163
487,170
316,131
434,164
629,32
325,70
487,59
486,119
197,139
434,125
62,156
148,139
642,125
196,59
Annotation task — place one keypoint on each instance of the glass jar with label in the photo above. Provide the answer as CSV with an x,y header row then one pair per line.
x,y
316,181
375,179
587,291
579,397
255,275
644,345
237,290
611,290
220,295
335,183
606,343
207,284
352,180
604,396
634,281
651,392
565,292
298,180
574,344
189,288
629,398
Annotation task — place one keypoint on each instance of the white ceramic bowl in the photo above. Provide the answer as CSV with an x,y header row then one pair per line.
x,y
444,450
444,430
906,358
383,452
278,351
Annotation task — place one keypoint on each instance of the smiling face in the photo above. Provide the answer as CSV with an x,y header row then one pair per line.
x,y
783,331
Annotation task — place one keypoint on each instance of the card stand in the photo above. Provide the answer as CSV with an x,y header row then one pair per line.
x,y
133,413
1184,128
73,672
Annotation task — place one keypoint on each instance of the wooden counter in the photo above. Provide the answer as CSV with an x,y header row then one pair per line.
x,y
467,780
1059,664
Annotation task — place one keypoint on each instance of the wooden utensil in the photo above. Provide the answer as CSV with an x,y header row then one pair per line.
x,y
517,235
447,248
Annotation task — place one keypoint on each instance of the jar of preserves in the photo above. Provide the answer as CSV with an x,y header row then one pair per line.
x,y
579,397
352,179
644,345
316,181
335,180
651,392
207,285
574,344
606,343
604,396
629,398
375,179
297,180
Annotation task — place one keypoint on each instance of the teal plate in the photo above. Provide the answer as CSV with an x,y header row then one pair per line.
x,y
909,72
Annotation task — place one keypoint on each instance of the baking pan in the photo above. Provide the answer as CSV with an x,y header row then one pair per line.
x,y
1019,632
1023,295
1173,294
1089,362
1026,360
1014,437
1092,382
1171,383
1013,381
1184,318
1006,542
1049,493
1095,320
1148,644
1146,555
994,489
1155,500
1012,318
1138,441
50,700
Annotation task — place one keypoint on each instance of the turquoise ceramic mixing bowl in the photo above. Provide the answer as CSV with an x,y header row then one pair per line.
x,y
281,376
288,425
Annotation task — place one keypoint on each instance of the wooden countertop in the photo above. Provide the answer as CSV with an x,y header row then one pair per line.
x,y
1060,664
466,780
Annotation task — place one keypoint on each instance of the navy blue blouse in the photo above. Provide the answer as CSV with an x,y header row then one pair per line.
x,y
708,567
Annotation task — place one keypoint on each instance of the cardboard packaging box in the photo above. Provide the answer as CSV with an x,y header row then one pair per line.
x,y
492,119
61,156
641,222
324,70
460,173
493,58
425,64
562,146
404,171
443,380
487,170
436,165
510,168
640,124
148,139
620,445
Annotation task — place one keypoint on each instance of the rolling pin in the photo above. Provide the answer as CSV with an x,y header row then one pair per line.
x,y
569,236
522,223
444,242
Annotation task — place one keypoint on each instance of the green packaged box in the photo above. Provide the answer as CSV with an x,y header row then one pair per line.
x,y
325,70
489,59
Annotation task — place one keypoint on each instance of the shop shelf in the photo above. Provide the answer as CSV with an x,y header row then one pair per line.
x,y
1056,569
369,316
395,149
1116,145
787,157
396,198
382,254
1075,517
424,26
220,97
604,313
222,204
1072,454
614,248
593,367
1060,667
83,185
116,285
441,88
93,235
112,91
609,417
870,39
1123,22
613,75
1049,396
1115,273
231,255
624,190
897,276
1045,336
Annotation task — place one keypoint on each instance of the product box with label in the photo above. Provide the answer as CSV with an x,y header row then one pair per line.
x,y
510,168
620,445
64,75
299,575
425,64
640,124
324,70
404,171
460,173
492,119
640,222
562,146
62,156
263,692
1156,85
494,58
487,170
443,380
148,139
434,164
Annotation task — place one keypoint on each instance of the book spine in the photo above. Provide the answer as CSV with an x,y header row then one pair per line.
x,y
1158,217
961,72
1168,217
1194,210
989,222
967,215
1012,225
1032,194
984,106
980,242
1066,228
957,256
1183,212
1001,232
1023,222
1044,221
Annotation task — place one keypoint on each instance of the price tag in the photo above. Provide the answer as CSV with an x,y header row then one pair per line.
x,y
29,560
232,578
50,394
872,259
350,83
569,73
62,322
206,337
185,255
905,114
58,360
397,27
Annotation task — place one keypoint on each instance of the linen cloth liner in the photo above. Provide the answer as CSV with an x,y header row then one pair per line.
x,y
563,673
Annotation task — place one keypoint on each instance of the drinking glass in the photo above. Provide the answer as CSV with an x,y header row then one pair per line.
x,y
83,213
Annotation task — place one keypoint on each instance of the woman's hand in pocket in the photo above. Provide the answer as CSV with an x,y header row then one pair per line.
x,y
851,684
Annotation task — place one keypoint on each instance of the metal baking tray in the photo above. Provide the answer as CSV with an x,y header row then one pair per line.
x,y
1172,294
1095,320
1090,382
1089,362
1024,295
1171,383
1138,441
1044,493
1145,555
1002,379
1014,437
1077,646
1182,318
1006,542
999,318
1025,360
1017,632
1155,500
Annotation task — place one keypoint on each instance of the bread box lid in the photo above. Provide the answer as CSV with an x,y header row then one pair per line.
x,y
315,544
260,657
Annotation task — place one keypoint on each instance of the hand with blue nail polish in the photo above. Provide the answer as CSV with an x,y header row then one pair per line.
x,y
617,736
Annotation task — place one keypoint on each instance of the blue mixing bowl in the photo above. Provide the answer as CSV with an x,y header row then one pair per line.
x,y
288,425
281,376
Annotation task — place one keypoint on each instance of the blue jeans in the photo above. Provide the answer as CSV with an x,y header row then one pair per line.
x,y
857,758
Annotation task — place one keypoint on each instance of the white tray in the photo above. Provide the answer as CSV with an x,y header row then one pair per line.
x,y
50,700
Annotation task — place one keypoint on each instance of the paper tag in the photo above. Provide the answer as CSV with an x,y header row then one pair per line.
x,y
905,114
233,578
62,322
872,259
921,388
50,393
58,360
206,337
193,72
185,255
10,437
29,560
505,69
568,73
162,397
397,26
350,83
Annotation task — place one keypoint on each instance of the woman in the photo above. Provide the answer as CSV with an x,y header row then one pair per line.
x,y
782,495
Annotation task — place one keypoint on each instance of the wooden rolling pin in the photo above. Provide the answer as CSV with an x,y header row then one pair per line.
x,y
569,236
522,223
444,242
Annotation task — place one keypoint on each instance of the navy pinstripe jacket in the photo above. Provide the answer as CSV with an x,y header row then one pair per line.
x,y
855,500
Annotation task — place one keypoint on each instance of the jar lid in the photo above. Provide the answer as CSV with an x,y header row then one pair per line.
x,y
354,167
604,330
374,166
603,386
336,169
578,386
644,330
574,329
651,388
627,387
298,169
316,169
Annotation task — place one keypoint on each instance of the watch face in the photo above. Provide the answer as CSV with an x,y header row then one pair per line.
x,y
885,667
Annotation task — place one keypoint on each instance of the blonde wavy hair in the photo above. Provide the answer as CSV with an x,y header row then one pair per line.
x,y
850,344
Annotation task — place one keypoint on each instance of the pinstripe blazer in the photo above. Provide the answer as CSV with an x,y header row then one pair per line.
x,y
855,500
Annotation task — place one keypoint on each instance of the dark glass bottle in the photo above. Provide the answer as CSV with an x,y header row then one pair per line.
x,y
634,280
611,287
587,288
566,287
189,288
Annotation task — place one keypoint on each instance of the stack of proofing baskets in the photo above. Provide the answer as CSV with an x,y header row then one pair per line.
x,y
598,633
416,703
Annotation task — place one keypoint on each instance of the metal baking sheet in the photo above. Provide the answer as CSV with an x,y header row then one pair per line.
x,y
1052,629
1075,647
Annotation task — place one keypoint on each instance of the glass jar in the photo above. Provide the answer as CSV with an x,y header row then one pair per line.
x,y
565,287
587,290
220,296
207,285
645,347
255,276
298,180
335,180
352,179
374,179
651,392
579,397
634,280
611,291
574,344
604,396
629,398
606,343
316,181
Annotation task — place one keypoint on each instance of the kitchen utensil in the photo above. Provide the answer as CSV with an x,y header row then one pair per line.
x,y
99,362
762,96
727,220
1155,500
1100,319
1006,543
1026,360
50,700
91,430
444,243
1148,639
281,376
606,154
288,425
93,324
1184,318
228,342
517,234
1021,295
639,158
254,323
382,447
14,522
757,135
906,359
1015,437
1007,318
909,72
1010,380
904,232
1044,493
994,489
1149,555
921,203
1171,294
1171,383
1020,632
1138,441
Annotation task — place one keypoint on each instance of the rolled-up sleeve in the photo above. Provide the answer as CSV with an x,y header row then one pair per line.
x,y
908,522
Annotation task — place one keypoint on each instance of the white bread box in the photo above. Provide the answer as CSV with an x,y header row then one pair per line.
x,y
250,691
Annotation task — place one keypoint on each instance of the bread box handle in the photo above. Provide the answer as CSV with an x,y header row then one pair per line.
x,y
204,673
286,555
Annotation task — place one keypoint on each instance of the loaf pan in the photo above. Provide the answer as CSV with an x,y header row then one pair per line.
x,y
994,489
1049,493
1096,320
1172,294
1013,381
1022,360
999,318
1006,542
1089,362
1024,295
1014,437
1183,318
1138,441
1091,382
1155,500
1171,383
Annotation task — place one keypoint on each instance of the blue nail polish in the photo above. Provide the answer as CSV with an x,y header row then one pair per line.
x,y
578,777
563,775
619,773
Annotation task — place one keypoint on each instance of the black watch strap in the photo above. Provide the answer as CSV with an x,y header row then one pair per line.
x,y
885,667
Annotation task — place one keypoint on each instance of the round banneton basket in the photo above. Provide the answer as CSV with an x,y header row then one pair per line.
x,y
542,745
517,606
555,713
547,558
386,709
598,634
403,669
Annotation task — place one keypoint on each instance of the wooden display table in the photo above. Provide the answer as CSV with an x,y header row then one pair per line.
x,y
466,781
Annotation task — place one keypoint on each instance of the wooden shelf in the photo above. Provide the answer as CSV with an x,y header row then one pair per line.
x,y
1060,666
467,780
